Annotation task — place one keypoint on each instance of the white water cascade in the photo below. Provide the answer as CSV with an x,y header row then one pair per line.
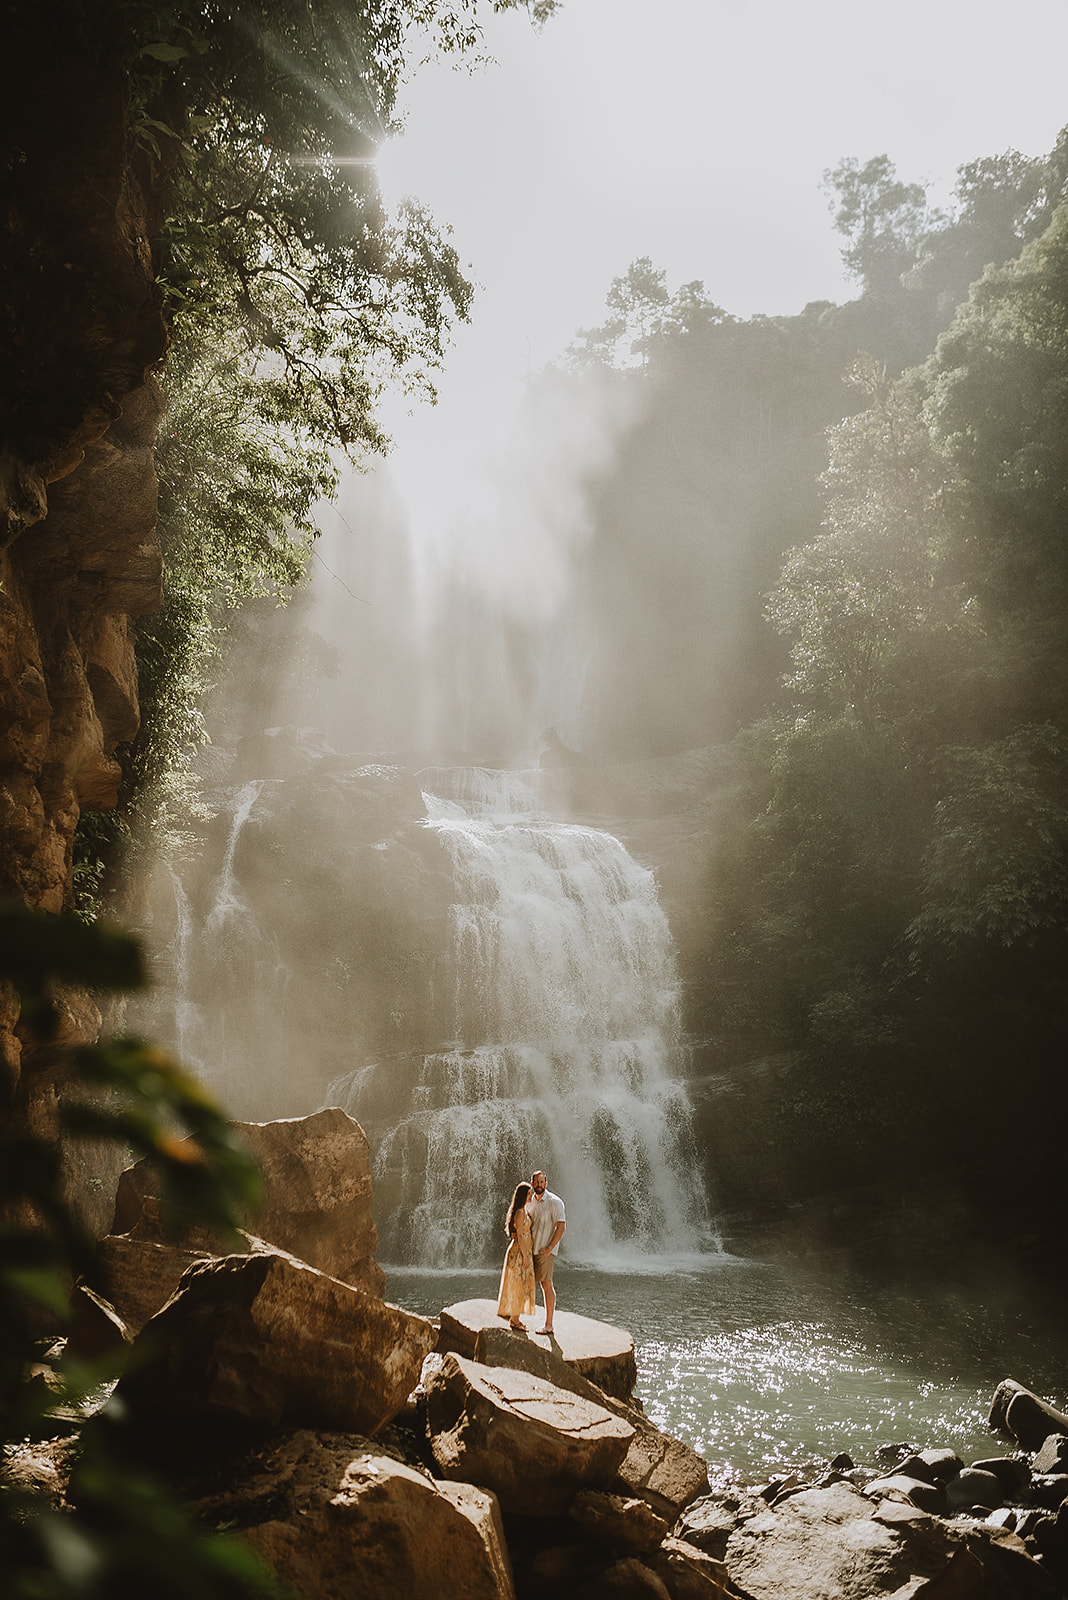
x,y
567,1042
222,1006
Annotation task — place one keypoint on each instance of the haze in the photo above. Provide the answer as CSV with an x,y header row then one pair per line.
x,y
693,132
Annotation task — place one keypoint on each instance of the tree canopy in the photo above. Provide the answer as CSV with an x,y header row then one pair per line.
x,y
904,892
861,585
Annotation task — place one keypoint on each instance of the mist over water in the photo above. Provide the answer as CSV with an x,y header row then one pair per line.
x,y
486,984
448,613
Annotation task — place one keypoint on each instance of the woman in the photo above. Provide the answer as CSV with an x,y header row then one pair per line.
x,y
517,1276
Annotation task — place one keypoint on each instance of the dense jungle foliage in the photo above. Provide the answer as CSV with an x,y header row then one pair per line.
x,y
876,616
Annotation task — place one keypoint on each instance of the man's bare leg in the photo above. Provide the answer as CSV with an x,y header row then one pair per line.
x,y
550,1304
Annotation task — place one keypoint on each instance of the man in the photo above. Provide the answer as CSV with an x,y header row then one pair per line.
x,y
546,1231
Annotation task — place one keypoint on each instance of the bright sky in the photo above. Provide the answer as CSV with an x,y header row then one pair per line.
x,y
692,131
697,132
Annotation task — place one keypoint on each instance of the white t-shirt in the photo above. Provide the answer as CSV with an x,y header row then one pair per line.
x,y
544,1215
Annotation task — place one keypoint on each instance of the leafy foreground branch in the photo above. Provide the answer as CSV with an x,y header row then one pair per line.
x,y
122,1535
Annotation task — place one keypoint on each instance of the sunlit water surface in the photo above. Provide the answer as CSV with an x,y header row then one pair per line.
x,y
759,1367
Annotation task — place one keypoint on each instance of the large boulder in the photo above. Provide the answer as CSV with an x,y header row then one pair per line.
x,y
835,1544
269,1340
1029,1419
142,1269
688,1573
336,1515
315,1203
663,1471
917,1491
534,1445
601,1353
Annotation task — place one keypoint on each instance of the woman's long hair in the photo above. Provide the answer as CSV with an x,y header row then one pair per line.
x,y
516,1203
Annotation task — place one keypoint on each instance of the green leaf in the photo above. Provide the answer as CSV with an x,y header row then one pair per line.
x,y
161,51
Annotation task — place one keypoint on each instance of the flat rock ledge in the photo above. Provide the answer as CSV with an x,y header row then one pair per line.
x,y
598,1352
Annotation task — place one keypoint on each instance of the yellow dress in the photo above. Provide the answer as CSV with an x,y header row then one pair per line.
x,y
516,1297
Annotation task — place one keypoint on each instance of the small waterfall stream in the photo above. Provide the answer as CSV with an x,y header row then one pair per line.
x,y
565,1051
224,962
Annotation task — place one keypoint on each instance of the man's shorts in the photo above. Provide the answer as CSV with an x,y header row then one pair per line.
x,y
544,1261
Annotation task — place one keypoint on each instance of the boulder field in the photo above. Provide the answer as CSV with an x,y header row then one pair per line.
x,y
367,1452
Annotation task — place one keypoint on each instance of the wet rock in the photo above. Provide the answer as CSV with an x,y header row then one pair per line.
x,y
1012,1472
663,1471
534,1445
268,1340
595,1350
833,1544
917,1491
40,1467
892,1455
973,1487
1029,1419
936,1466
335,1516
1052,1456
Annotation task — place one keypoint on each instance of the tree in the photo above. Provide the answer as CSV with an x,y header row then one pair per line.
x,y
882,219
1003,202
903,894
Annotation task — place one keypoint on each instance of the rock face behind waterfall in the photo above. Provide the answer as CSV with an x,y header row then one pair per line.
x,y
305,937
81,328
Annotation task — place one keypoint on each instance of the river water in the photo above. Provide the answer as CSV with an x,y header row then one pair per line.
x,y
760,1365
565,1051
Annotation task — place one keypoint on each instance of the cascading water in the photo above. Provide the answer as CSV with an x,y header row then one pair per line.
x,y
565,1008
219,949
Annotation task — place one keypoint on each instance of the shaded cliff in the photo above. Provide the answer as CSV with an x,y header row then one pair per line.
x,y
81,328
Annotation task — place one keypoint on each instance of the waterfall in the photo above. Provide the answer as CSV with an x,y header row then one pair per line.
x,y
223,1005
565,1007
228,902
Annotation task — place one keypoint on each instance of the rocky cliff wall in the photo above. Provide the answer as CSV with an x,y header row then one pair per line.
x,y
81,330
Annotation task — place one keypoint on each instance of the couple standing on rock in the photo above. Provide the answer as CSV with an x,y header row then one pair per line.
x,y
535,1226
